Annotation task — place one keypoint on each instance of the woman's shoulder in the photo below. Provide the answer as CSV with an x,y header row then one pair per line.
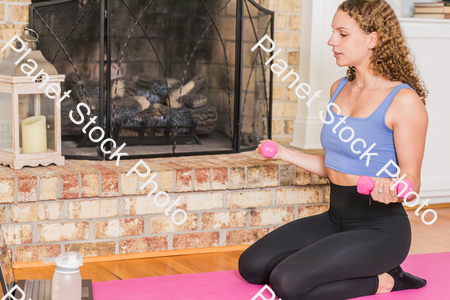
x,y
334,86
406,95
407,106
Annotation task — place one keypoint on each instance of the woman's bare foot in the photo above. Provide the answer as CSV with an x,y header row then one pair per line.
x,y
386,283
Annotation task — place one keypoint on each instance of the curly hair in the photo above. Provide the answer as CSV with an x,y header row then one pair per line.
x,y
390,56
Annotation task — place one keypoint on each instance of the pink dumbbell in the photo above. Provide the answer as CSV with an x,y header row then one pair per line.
x,y
365,186
269,149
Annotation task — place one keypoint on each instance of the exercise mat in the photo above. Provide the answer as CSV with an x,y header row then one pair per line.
x,y
226,285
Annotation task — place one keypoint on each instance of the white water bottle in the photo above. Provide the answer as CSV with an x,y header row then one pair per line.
x,y
66,284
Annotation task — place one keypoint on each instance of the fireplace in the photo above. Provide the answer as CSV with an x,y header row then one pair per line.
x,y
166,77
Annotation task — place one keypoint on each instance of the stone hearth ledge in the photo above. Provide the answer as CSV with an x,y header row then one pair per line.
x,y
94,208
79,179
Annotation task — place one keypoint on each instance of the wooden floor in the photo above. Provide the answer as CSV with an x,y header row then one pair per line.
x,y
426,239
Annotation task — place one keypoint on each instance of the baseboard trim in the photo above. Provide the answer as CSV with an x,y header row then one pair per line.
x,y
116,257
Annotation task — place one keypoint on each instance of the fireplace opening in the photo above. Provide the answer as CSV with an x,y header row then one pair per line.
x,y
166,77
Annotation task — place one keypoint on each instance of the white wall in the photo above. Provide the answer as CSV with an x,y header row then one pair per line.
x,y
317,68
430,43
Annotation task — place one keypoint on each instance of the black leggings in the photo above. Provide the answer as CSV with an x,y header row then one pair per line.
x,y
335,255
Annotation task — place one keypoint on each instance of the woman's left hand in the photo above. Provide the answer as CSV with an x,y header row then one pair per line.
x,y
381,191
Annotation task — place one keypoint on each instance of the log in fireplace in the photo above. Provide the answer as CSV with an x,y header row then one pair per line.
x,y
166,77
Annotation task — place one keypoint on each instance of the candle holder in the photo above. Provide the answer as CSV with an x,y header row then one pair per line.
x,y
30,119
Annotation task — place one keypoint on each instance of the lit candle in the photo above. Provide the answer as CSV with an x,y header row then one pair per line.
x,y
34,135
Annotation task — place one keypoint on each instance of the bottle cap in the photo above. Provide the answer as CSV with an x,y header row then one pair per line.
x,y
68,262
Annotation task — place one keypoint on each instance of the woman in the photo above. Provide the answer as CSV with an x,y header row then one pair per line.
x,y
355,248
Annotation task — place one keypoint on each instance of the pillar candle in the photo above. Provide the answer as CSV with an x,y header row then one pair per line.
x,y
34,135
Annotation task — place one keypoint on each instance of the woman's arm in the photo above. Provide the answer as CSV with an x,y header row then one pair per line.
x,y
310,162
410,129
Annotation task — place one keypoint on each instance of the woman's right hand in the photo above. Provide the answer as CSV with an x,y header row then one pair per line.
x,y
277,155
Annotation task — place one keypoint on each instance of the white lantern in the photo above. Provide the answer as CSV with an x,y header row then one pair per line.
x,y
30,120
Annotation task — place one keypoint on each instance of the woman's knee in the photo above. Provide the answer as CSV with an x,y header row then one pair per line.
x,y
288,285
251,267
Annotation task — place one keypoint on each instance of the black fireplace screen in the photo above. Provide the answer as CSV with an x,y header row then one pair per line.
x,y
166,77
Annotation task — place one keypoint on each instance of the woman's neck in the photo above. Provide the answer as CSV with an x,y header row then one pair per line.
x,y
363,76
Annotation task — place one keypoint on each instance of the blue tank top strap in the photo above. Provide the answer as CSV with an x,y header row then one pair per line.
x,y
340,86
387,102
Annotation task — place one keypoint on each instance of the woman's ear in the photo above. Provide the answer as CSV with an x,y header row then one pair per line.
x,y
373,40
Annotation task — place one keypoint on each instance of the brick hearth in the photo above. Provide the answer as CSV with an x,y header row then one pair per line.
x,y
94,208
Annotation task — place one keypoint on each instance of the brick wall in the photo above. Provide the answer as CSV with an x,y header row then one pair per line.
x,y
13,17
94,208
287,37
